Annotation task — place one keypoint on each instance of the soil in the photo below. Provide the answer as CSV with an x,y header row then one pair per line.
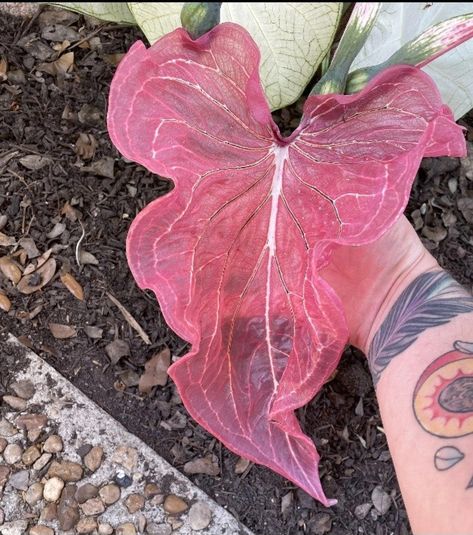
x,y
43,114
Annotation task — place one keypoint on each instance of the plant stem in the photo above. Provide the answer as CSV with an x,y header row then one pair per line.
x,y
358,28
200,17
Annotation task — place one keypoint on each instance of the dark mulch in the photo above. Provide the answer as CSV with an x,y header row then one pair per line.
x,y
42,114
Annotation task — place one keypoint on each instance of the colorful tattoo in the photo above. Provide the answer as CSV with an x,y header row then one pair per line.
x,y
443,396
432,299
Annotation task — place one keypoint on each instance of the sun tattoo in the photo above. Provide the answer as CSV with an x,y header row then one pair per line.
x,y
443,396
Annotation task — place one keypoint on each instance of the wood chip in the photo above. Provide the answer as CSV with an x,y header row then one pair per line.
x,y
6,241
86,145
5,303
56,231
72,285
130,319
9,268
3,69
38,279
87,258
156,371
62,332
62,65
34,162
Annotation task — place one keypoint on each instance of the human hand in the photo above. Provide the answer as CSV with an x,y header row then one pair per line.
x,y
369,278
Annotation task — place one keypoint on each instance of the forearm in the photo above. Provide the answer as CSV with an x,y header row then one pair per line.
x,y
421,357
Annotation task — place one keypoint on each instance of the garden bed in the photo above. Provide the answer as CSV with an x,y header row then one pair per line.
x,y
64,187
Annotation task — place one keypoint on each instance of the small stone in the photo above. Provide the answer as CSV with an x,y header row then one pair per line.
x,y
83,450
122,479
17,527
158,529
3,444
205,465
86,525
241,465
93,459
2,516
321,523
134,503
16,403
53,444
41,530
52,489
151,489
362,510
49,513
381,500
68,511
126,529
86,492
141,521
4,473
157,500
174,505
126,456
12,453
105,529
93,507
175,523
7,429
31,455
199,516
109,494
20,480
66,470
34,494
286,504
42,461
23,389
33,424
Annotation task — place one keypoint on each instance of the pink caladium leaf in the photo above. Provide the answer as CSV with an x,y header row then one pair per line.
x,y
234,251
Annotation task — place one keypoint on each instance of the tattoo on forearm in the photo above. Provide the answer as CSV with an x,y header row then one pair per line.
x,y
432,299
443,402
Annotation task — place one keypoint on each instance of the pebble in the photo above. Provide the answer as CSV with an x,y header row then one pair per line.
x,y
105,529
2,516
34,494
16,403
381,500
199,516
123,479
362,510
7,429
141,521
241,465
52,489
49,513
4,473
157,500
126,457
93,459
66,470
3,444
53,444
12,453
109,494
23,389
134,503
86,492
33,423
174,505
126,529
158,529
93,507
20,480
68,511
204,465
17,527
86,525
41,530
151,489
321,523
42,461
30,455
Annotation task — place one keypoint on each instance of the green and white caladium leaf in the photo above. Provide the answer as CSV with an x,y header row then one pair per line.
x,y
293,37
398,23
111,11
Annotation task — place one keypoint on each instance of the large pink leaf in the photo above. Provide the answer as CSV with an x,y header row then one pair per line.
x,y
233,252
